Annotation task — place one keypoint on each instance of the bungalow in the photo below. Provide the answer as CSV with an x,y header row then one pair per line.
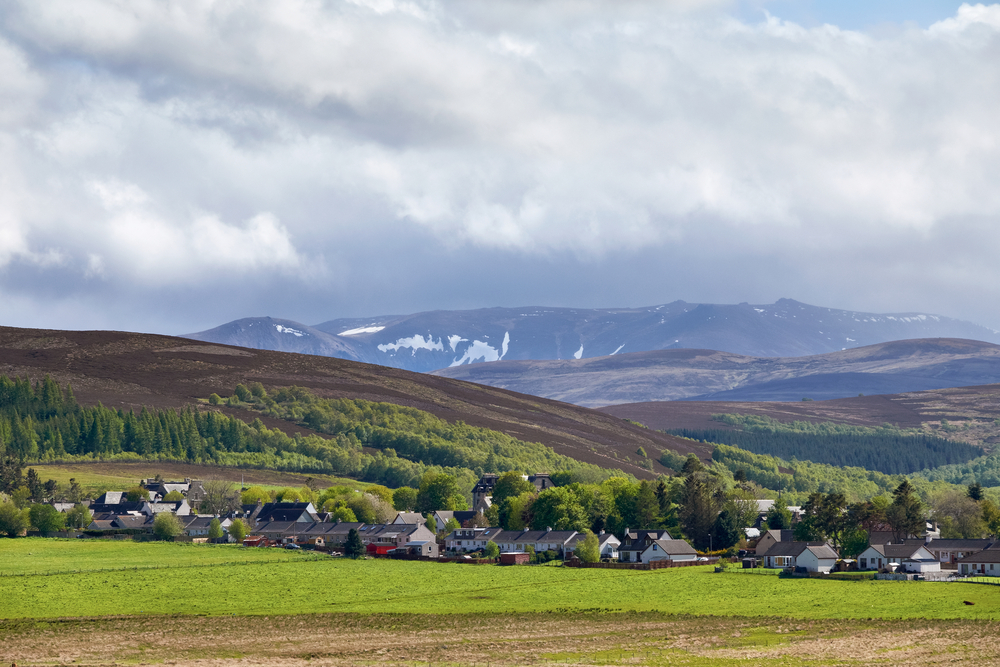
x,y
539,540
911,556
813,556
198,526
985,563
675,550
771,537
441,517
180,507
636,541
192,489
951,551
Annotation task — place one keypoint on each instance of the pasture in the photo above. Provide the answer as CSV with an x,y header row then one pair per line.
x,y
47,578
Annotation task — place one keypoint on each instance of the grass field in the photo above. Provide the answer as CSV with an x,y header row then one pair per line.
x,y
71,578
100,476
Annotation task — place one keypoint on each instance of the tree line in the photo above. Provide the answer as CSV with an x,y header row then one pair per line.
x,y
887,449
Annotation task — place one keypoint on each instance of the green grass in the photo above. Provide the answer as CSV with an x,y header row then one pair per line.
x,y
202,579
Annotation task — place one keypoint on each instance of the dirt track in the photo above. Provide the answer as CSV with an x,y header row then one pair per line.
x,y
474,641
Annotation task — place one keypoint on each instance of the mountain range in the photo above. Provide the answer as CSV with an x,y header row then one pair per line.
x,y
709,375
435,340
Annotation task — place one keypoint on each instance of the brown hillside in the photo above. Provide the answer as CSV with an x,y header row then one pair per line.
x,y
971,412
130,370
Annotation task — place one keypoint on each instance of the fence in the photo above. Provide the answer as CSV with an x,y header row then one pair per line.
x,y
653,565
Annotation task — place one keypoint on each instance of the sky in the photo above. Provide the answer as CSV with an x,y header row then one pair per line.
x,y
171,166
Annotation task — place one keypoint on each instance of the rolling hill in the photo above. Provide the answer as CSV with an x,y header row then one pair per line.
x,y
440,339
131,370
669,375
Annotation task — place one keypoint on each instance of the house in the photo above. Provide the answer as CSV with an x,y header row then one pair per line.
x,y
180,508
441,517
382,538
911,556
539,540
951,551
607,543
122,507
192,489
139,522
483,490
426,548
409,517
813,556
636,541
675,550
198,526
335,534
111,498
771,537
983,563
470,539
297,512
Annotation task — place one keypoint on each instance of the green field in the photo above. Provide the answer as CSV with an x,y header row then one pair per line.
x,y
48,578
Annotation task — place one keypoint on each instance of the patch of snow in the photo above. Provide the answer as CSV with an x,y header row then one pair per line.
x,y
618,350
578,353
760,310
415,343
455,340
478,350
288,330
851,340
506,344
360,330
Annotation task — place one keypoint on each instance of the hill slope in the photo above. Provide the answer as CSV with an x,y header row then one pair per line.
x,y
440,339
130,370
895,367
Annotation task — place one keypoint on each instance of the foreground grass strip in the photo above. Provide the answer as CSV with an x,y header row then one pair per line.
x,y
280,582
496,640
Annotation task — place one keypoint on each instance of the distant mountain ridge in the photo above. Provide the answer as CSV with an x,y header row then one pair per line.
x,y
707,375
441,339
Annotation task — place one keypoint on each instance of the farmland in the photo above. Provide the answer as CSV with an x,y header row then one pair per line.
x,y
223,580
100,602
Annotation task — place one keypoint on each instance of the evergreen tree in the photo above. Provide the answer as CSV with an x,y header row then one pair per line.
x,y
354,548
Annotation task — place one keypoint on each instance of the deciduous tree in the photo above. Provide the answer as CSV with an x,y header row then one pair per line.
x,y
166,526
46,518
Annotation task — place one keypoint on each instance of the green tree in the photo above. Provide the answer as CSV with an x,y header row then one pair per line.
x,y
589,548
21,497
214,399
510,485
439,491
215,529
79,517
174,496
699,508
906,513
13,520
136,494
46,518
558,508
35,486
166,526
255,493
238,530
491,550
778,516
343,515
10,473
404,499
726,531
975,491
991,516
75,494
354,548
242,393
646,506
450,526
958,515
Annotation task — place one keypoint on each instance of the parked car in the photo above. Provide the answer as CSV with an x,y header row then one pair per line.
x,y
292,546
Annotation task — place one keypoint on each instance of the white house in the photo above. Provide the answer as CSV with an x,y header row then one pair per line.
x,y
470,539
607,542
911,556
813,557
668,550
985,563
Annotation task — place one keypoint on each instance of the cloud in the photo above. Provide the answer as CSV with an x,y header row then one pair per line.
x,y
169,143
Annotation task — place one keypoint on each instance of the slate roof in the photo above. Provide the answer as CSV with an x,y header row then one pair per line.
x,y
673,547
287,512
905,550
120,508
409,517
796,548
984,556
959,545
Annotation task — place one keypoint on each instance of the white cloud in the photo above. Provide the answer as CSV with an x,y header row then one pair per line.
x,y
134,137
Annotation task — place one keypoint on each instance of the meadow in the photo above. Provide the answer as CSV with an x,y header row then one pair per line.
x,y
48,578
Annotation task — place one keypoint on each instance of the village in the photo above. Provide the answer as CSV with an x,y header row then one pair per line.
x,y
461,536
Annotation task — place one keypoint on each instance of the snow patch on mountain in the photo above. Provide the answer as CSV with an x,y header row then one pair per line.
x,y
478,350
618,350
506,344
579,353
416,342
455,340
360,330
289,330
